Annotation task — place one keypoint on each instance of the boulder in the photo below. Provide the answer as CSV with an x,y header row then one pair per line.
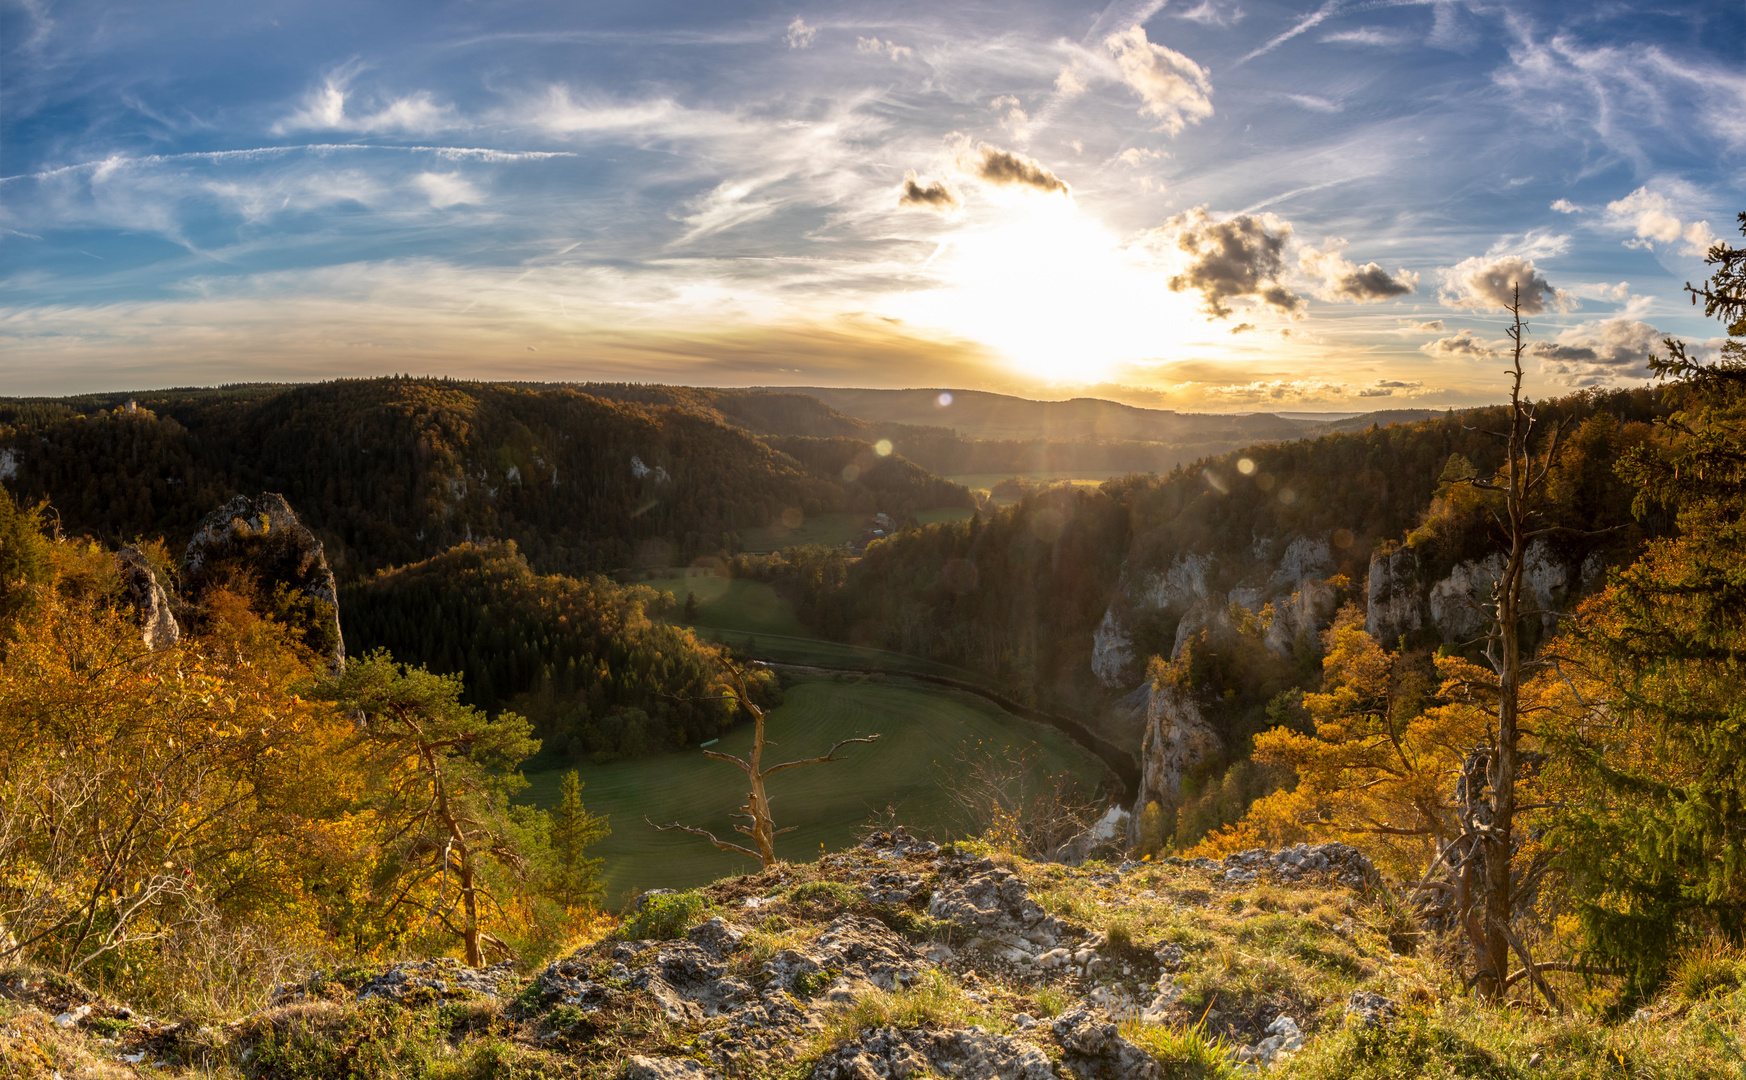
x,y
1095,1048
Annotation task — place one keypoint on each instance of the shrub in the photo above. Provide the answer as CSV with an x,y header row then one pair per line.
x,y
665,917
1709,967
822,897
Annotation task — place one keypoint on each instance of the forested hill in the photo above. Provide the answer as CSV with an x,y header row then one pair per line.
x,y
388,471
1021,596
970,431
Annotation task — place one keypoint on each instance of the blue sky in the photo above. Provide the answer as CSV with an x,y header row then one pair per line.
x,y
1215,204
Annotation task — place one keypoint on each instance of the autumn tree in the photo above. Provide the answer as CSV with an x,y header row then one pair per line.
x,y
155,797
1379,766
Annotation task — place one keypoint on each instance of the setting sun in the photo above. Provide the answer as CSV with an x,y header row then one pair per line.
x,y
1055,292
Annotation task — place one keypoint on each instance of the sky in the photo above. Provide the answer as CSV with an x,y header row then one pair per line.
x,y
1210,205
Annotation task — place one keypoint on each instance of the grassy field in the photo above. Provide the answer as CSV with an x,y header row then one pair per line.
x,y
827,529
734,604
921,727
986,481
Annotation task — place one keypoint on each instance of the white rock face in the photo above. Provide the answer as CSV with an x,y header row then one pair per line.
x,y
638,469
1177,739
1307,610
8,463
1213,613
1303,559
1179,586
1460,604
1396,604
1112,651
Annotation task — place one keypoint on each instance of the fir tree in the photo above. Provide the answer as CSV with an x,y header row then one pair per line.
x,y
573,876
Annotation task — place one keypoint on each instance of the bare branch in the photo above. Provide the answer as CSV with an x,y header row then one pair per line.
x,y
828,755
707,835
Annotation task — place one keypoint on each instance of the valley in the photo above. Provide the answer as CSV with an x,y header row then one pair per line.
x,y
922,730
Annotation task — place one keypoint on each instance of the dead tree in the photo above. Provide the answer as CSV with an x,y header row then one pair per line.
x,y
761,827
1486,798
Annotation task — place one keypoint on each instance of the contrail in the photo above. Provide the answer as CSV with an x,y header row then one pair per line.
x,y
453,153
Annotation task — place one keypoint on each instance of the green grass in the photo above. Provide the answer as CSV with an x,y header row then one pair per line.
x,y
827,529
919,724
986,481
734,604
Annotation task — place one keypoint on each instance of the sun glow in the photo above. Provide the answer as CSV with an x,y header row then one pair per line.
x,y
1055,292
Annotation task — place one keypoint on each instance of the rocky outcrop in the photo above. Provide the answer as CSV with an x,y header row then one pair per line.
x,y
139,582
1459,606
968,1052
1112,651
1294,586
1177,739
1304,612
1396,595
1095,1047
995,905
265,534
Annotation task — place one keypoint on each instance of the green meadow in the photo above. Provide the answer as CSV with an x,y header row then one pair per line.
x,y
921,729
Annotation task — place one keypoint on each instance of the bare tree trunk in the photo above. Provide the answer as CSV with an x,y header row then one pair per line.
x,y
1519,481
762,828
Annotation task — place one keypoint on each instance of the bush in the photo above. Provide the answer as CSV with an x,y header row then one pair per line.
x,y
665,917
822,897
1709,967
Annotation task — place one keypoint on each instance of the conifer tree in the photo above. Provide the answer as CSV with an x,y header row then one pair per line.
x,y
572,880
1654,740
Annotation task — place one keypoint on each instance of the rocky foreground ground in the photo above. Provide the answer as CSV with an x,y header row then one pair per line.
x,y
899,959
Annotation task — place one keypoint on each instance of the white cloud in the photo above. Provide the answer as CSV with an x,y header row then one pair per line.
x,y
1212,13
1340,279
1596,353
800,35
447,189
730,204
1488,284
1068,83
884,48
1462,345
1175,89
325,109
1650,217
1367,35
1565,206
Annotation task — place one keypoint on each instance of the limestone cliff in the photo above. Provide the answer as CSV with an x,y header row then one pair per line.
x,y
158,627
265,537
1402,599
1177,739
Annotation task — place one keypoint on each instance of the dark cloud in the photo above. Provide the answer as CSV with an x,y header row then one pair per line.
x,y
934,196
1015,170
1489,284
1598,353
1244,256
1242,328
